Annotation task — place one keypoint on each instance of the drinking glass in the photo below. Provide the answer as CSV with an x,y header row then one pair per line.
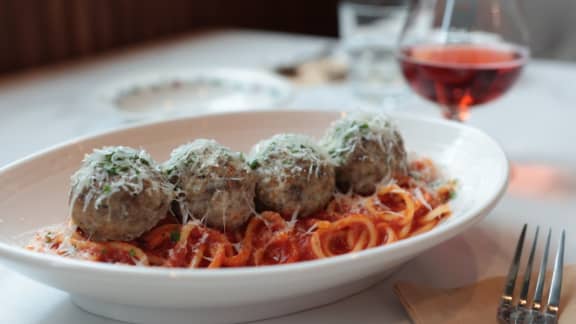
x,y
462,53
368,31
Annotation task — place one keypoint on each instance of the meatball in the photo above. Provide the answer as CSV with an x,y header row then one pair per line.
x,y
366,150
216,185
294,176
118,194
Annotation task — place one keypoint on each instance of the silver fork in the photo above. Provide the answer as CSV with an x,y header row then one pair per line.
x,y
536,313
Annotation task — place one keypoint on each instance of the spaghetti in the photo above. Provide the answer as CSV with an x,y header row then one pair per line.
x,y
350,223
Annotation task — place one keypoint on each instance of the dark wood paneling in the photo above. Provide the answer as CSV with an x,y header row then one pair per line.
x,y
55,26
36,32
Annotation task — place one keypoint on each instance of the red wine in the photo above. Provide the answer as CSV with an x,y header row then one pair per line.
x,y
460,76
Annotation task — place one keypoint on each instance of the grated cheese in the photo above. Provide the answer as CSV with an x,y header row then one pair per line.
x,y
206,159
347,135
112,169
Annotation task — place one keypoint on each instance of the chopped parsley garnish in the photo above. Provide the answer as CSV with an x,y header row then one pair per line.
x,y
174,236
145,162
132,253
48,237
106,188
115,164
111,170
348,137
254,165
364,126
452,194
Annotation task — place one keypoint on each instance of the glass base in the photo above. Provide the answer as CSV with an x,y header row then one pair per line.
x,y
459,114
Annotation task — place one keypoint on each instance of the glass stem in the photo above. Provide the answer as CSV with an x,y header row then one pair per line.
x,y
455,113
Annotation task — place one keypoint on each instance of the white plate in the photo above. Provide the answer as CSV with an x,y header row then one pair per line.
x,y
33,194
167,94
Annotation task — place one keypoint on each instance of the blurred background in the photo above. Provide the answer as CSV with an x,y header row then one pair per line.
x,y
41,32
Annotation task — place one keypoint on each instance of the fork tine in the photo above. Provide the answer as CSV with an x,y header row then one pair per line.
x,y
556,285
505,307
539,290
523,300
513,272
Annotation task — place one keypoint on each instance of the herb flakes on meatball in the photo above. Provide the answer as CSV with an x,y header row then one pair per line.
x,y
294,175
118,194
366,149
215,183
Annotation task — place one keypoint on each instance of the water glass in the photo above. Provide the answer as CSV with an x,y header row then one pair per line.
x,y
368,33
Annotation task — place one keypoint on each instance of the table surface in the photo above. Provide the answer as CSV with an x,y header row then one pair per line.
x,y
534,123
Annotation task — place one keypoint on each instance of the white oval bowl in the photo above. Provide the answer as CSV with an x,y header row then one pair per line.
x,y
33,194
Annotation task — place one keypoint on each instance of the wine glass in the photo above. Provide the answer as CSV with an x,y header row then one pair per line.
x,y
462,53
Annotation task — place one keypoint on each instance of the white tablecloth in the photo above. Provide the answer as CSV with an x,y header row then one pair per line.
x,y
534,123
